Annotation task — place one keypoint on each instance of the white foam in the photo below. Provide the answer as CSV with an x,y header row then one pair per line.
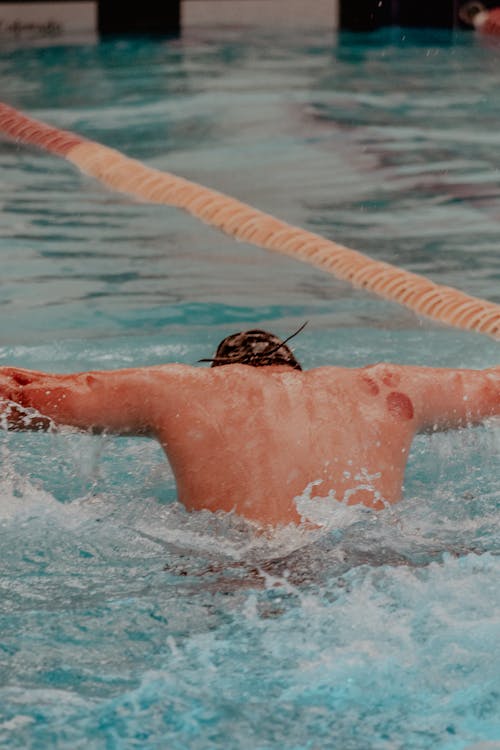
x,y
221,534
328,511
19,497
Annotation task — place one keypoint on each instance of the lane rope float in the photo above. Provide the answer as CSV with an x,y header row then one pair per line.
x,y
115,170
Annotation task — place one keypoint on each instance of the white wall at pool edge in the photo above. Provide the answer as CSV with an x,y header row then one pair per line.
x,y
47,18
275,13
58,18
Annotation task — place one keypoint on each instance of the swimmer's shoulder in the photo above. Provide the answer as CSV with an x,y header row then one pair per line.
x,y
188,375
371,379
332,373
174,375
381,372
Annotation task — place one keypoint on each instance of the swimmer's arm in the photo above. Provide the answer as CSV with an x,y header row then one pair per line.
x,y
449,399
119,401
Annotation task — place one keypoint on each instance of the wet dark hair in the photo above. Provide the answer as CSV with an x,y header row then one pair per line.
x,y
469,11
257,348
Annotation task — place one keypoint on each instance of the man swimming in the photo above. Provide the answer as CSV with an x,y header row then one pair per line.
x,y
252,432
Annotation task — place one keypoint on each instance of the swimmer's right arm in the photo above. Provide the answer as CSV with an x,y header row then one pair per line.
x,y
116,401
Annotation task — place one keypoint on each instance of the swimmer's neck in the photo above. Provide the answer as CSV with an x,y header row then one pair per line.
x,y
262,368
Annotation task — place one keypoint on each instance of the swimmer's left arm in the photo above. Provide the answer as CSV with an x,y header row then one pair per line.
x,y
450,399
118,401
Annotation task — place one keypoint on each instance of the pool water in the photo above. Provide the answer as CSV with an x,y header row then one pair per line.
x,y
126,622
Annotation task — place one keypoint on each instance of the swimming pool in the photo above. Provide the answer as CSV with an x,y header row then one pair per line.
x,y
127,623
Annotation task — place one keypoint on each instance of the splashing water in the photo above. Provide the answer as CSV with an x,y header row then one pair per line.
x,y
126,622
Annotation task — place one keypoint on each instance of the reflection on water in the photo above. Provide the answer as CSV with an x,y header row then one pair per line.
x,y
127,622
118,602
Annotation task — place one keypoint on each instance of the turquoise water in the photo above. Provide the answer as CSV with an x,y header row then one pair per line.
x,y
126,622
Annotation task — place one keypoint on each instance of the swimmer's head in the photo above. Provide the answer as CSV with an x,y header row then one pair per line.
x,y
470,13
257,348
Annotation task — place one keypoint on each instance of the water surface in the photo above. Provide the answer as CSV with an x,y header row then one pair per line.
x,y
125,621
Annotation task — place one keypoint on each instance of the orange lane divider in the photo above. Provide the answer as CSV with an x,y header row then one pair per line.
x,y
239,220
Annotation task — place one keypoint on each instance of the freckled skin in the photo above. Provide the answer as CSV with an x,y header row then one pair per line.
x,y
369,385
390,378
399,405
21,378
251,439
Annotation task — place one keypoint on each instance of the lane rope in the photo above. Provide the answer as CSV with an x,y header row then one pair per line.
x,y
240,220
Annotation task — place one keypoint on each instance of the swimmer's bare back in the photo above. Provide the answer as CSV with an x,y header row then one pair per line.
x,y
251,439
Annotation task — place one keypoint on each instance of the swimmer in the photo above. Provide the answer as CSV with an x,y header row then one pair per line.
x,y
483,19
254,431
